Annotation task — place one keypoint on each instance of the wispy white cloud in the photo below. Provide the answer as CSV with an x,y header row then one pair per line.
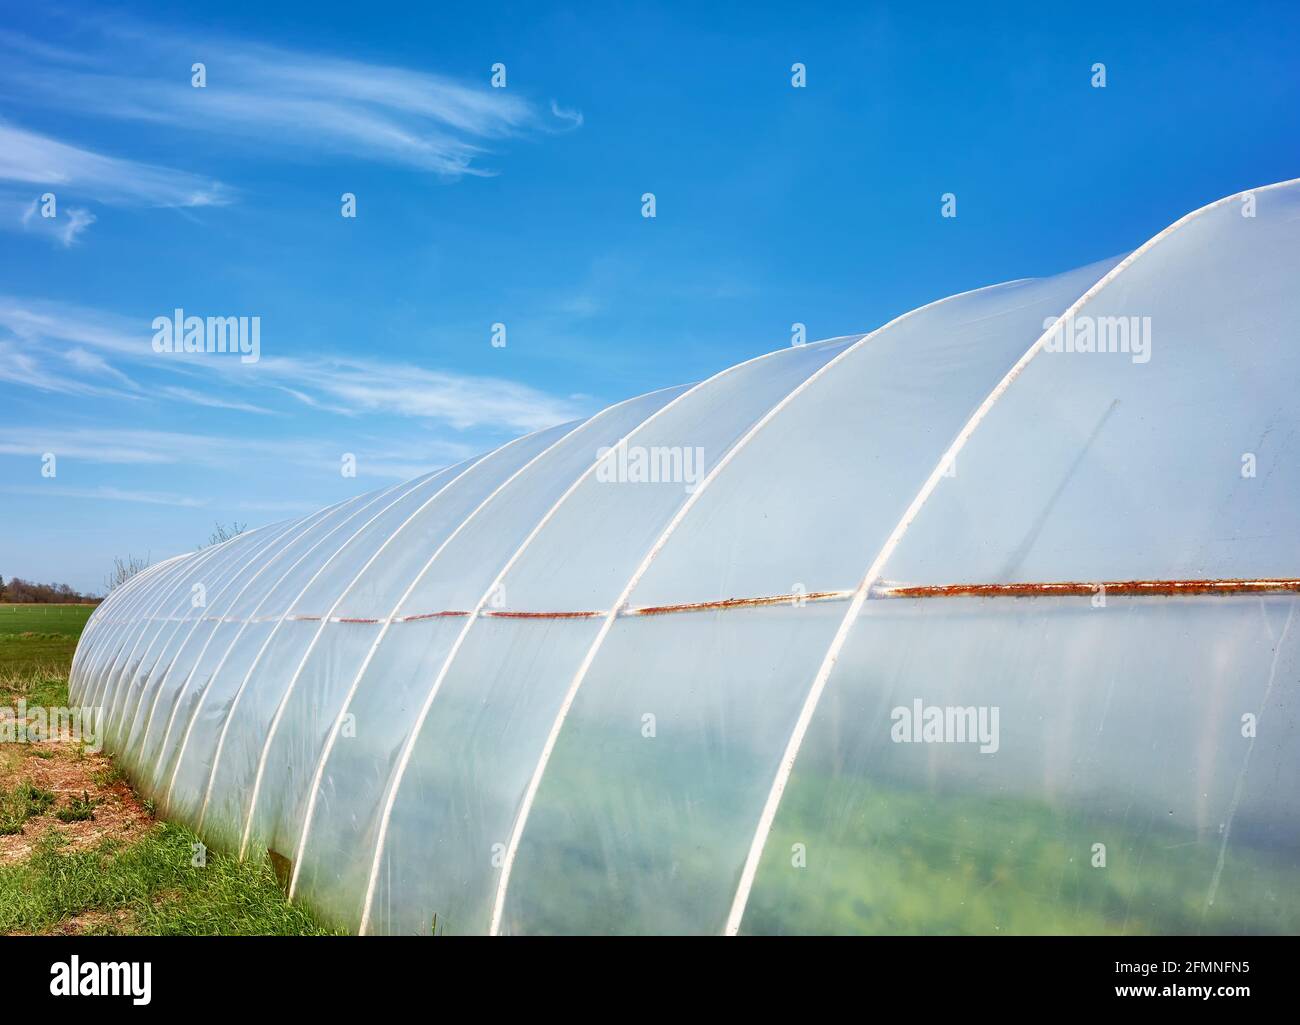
x,y
39,321
20,367
573,117
26,44
345,386
108,445
580,306
106,493
93,363
287,100
376,456
48,165
19,212
195,398
77,221
458,400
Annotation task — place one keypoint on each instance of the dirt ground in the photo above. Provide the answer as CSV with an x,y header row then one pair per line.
x,y
56,766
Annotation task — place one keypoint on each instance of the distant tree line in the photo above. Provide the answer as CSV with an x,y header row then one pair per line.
x,y
17,590
20,591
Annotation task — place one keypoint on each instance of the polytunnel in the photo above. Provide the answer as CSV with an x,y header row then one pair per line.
x,y
979,622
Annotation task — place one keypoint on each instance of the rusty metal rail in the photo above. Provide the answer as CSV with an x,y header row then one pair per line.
x,y
1123,588
1227,587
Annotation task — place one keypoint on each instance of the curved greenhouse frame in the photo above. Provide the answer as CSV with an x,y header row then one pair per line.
x,y
980,622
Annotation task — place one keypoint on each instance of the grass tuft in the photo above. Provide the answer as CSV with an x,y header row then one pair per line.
x,y
39,683
78,809
38,801
151,887
25,801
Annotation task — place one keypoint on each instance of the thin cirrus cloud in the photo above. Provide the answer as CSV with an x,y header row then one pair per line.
x,y
279,100
377,456
196,398
108,494
461,401
32,165
50,346
64,227
22,367
122,446
287,100
34,160
93,363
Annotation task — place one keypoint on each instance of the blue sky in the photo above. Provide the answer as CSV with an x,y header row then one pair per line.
x,y
522,206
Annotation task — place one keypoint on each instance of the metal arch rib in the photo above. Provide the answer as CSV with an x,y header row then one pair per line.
x,y
225,726
318,774
146,612
404,758
293,680
224,557
874,571
233,576
621,604
304,524
102,623
297,528
135,631
118,629
308,524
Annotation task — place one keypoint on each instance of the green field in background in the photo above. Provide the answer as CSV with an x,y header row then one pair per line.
x,y
40,636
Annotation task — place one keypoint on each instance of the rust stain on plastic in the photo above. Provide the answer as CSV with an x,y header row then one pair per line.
x,y
431,615
794,598
883,589
1168,588
506,614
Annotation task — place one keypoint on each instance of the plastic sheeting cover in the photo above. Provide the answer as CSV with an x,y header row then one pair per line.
x,y
651,672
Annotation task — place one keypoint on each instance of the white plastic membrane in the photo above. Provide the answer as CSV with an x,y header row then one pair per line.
x,y
205,601
1185,465
738,725
481,713
1119,726
317,693
652,672
333,867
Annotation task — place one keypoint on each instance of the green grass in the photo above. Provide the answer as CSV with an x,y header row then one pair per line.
x,y
150,887
41,683
891,859
23,802
78,809
147,886
106,777
32,636
63,620
856,852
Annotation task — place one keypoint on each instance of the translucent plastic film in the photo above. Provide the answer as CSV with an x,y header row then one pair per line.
x,y
1047,765
1168,455
981,622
